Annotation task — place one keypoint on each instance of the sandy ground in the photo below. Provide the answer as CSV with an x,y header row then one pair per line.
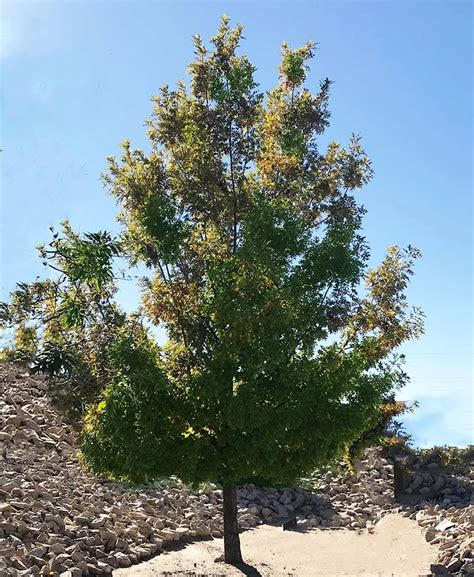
x,y
397,548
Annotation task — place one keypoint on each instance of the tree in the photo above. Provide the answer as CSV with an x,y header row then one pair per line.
x,y
275,364
65,324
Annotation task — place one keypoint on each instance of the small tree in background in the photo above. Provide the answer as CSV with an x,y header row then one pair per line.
x,y
274,364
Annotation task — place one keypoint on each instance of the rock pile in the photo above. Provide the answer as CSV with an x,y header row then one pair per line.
x,y
449,519
57,520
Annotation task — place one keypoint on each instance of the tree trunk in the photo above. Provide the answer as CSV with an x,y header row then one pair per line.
x,y
399,479
232,553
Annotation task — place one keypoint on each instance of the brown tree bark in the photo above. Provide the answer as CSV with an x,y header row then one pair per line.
x,y
232,553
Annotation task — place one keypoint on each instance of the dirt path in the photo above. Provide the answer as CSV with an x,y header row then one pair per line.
x,y
397,548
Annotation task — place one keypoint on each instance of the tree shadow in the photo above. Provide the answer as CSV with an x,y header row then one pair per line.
x,y
455,491
173,546
248,570
321,507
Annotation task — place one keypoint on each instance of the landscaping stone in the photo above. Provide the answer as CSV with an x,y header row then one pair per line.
x,y
55,517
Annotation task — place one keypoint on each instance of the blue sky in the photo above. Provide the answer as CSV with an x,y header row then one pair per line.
x,y
77,78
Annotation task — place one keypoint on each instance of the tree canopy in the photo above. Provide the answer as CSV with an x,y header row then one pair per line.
x,y
277,357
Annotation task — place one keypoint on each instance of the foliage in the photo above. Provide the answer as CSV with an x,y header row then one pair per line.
x,y
447,456
64,324
387,431
275,364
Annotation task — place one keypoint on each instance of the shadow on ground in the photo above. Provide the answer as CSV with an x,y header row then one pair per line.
x,y
247,570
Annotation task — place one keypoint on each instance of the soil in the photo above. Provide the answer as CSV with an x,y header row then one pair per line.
x,y
397,548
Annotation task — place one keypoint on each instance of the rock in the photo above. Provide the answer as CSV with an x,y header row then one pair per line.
x,y
123,560
430,534
438,569
99,521
9,486
38,552
81,520
454,565
57,548
167,534
444,525
104,568
77,556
